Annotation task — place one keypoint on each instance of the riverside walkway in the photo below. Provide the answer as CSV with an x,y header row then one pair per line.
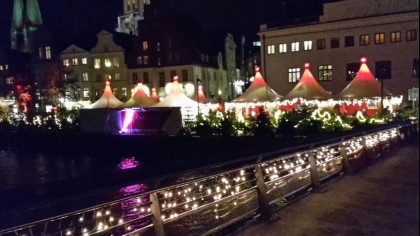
x,y
382,199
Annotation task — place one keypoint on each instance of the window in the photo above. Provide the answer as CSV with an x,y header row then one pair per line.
x,y
349,41
98,78
66,62
364,40
117,76
158,47
383,70
161,79
139,60
295,47
96,93
145,46
1,67
47,52
173,73
416,68
159,61
6,67
146,60
145,77
335,42
86,93
325,73
321,44
116,62
352,69
85,77
115,91
74,61
135,78
395,37
270,49
107,62
124,92
9,80
40,53
379,38
97,63
411,35
307,45
184,75
84,61
294,75
282,48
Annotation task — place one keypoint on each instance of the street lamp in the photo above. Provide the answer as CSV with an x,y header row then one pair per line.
x,y
198,81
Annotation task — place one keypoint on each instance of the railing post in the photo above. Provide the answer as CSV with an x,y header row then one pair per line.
x,y
345,159
314,172
262,193
157,216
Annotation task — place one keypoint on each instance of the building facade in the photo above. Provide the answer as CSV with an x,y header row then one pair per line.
x,y
384,31
133,12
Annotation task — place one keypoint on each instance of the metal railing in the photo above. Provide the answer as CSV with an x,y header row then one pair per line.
x,y
208,204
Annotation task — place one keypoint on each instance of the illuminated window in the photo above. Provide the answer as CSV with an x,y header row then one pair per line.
x,y
107,62
47,52
295,47
74,61
184,75
335,42
1,67
271,49
383,70
84,61
85,77
349,41
124,92
40,53
307,45
161,79
416,68
97,63
145,77
282,48
364,40
146,60
411,35
135,78
9,80
117,76
66,62
325,73
145,46
351,70
379,38
86,93
107,77
321,44
158,47
6,67
395,37
116,62
139,60
294,75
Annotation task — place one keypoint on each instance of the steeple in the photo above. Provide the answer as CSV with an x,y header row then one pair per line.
x,y
25,21
133,12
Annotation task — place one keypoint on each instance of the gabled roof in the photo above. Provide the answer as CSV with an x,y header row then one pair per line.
x,y
176,98
73,49
364,85
258,91
308,88
108,100
140,98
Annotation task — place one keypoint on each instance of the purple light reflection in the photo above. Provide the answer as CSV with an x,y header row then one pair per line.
x,y
128,163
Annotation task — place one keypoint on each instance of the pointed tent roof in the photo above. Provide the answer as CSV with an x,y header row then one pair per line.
x,y
259,91
108,100
154,95
140,98
364,85
201,97
308,87
176,98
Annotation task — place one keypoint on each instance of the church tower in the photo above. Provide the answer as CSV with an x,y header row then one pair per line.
x,y
25,22
133,12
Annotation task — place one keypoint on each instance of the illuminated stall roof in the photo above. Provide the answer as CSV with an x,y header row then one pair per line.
x,y
140,98
154,96
176,98
364,85
308,88
259,91
201,97
108,100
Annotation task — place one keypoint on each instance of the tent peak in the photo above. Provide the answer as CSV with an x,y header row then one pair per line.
x,y
307,65
257,69
363,60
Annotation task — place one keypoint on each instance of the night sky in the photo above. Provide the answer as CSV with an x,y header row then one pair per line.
x,y
74,19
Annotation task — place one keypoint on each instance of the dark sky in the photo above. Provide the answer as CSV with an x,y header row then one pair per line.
x,y
87,17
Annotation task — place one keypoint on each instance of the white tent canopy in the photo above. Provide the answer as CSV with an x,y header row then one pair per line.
x,y
176,98
140,98
258,91
108,100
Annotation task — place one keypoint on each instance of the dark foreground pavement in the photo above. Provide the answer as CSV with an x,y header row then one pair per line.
x,y
382,199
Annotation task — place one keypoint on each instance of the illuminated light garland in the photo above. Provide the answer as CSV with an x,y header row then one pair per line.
x,y
359,116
